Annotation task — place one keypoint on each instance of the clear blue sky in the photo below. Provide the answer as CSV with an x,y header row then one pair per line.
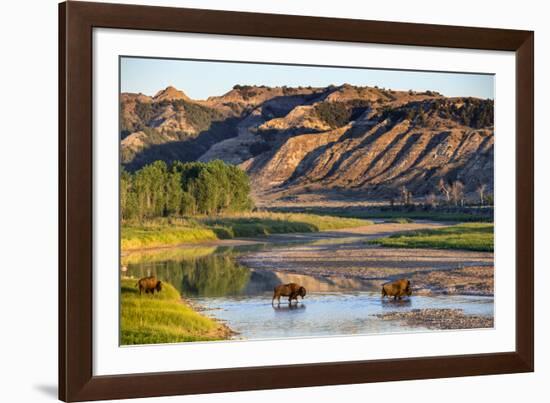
x,y
201,79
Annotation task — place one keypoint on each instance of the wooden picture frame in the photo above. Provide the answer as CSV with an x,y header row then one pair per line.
x,y
76,23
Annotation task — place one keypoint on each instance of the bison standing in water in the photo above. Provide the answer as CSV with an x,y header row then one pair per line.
x,y
291,290
397,289
149,285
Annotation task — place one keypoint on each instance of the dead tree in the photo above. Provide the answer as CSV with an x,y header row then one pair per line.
x,y
406,196
457,193
481,192
445,189
431,200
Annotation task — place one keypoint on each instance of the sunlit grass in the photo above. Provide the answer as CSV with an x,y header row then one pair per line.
x,y
471,236
136,237
260,223
161,255
399,220
162,318
478,215
167,232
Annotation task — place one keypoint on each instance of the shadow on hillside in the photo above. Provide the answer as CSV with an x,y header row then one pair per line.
x,y
186,150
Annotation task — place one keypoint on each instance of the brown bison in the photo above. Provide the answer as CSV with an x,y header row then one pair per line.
x,y
291,290
397,289
149,285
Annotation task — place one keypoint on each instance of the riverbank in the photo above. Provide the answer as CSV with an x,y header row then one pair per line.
x,y
348,255
341,271
176,231
469,236
163,318
373,211
439,319
476,280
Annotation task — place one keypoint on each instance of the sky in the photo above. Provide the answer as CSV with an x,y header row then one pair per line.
x,y
201,79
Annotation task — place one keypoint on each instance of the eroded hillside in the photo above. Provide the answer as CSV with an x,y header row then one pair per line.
x,y
313,144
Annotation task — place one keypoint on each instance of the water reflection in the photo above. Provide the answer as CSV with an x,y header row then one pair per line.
x,y
216,272
396,303
206,276
288,307
241,297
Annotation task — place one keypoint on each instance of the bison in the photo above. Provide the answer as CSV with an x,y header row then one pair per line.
x,y
149,285
396,289
291,290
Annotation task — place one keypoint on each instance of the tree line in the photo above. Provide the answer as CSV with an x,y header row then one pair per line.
x,y
159,190
452,193
476,113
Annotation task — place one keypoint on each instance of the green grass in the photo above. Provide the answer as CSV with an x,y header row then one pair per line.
x,y
258,224
136,237
471,236
162,255
430,215
368,213
169,232
161,318
400,220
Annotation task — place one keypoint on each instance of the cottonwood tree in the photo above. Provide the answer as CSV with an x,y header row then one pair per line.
x,y
431,200
445,189
457,193
174,193
406,196
186,188
481,192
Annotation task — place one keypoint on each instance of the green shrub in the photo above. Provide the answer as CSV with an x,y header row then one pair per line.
x,y
334,114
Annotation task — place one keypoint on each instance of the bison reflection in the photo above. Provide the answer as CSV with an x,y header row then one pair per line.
x,y
397,289
394,304
289,308
290,290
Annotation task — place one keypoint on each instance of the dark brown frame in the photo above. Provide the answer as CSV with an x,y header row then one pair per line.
x,y
76,22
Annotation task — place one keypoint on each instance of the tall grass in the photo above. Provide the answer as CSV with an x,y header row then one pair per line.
x,y
166,232
162,255
264,223
471,236
371,213
162,318
399,220
137,237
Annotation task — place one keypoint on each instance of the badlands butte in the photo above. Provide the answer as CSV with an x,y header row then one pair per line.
x,y
313,146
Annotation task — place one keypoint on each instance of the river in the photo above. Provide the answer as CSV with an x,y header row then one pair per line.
x,y
342,275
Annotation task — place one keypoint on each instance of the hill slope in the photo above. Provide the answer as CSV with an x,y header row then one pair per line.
x,y
312,144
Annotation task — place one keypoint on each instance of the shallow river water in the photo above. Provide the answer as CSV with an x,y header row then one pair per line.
x,y
212,278
324,314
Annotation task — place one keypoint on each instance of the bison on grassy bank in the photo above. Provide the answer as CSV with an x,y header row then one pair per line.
x,y
290,290
397,289
149,285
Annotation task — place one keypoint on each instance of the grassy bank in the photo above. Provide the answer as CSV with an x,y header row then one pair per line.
x,y
149,256
163,318
471,236
476,215
400,220
159,233
166,232
427,215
